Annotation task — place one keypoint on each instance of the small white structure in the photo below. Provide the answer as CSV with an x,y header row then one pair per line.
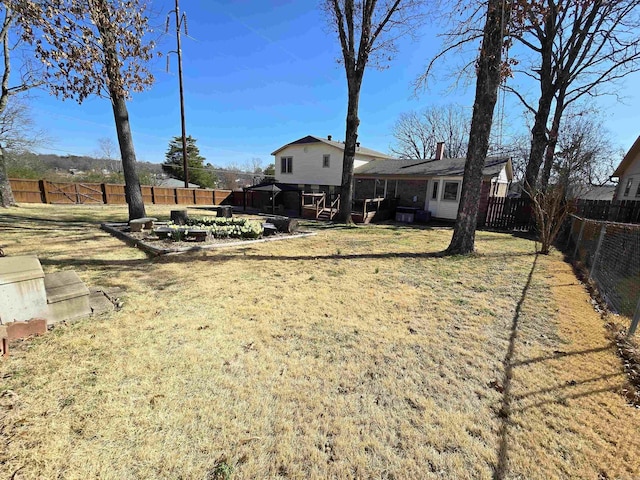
x,y
27,293
315,163
628,173
22,292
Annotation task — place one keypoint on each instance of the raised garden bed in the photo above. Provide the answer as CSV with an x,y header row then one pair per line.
x,y
201,234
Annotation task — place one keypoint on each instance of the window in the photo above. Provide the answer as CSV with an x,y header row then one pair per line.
x,y
628,188
434,193
450,191
638,191
325,161
286,164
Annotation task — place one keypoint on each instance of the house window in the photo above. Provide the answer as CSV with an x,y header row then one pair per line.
x,y
628,188
434,192
325,161
286,164
450,191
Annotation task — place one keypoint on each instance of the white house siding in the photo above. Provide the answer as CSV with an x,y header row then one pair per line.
x,y
500,184
440,208
632,173
307,164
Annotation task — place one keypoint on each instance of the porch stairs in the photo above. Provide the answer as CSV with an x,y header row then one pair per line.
x,y
327,214
318,206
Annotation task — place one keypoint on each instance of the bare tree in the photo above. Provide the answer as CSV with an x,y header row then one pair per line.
x,y
585,156
550,209
107,149
417,134
489,76
8,88
17,130
576,49
98,47
367,31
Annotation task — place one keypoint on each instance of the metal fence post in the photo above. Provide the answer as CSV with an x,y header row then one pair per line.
x,y
603,231
575,251
635,321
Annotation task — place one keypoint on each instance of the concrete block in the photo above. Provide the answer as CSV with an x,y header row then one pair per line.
x,y
100,303
67,297
22,291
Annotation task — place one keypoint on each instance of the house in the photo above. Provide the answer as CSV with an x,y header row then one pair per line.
x,y
314,164
432,185
175,183
628,173
595,192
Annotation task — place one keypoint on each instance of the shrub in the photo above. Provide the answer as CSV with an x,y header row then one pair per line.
x,y
220,228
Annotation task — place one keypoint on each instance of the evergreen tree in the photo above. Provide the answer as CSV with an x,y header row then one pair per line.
x,y
173,164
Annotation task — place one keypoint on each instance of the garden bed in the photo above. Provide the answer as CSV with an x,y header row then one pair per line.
x,y
149,242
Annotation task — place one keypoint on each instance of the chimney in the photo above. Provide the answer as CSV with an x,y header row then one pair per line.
x,y
329,137
439,151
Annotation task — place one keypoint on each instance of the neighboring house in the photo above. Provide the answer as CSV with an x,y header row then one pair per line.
x,y
596,192
175,183
314,164
628,173
434,185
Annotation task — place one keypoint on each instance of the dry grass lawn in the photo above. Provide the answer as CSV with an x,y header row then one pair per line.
x,y
352,354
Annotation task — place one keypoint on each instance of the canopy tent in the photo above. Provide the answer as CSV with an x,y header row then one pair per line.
x,y
274,189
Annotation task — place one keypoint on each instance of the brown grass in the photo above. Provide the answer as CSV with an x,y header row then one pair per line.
x,y
352,354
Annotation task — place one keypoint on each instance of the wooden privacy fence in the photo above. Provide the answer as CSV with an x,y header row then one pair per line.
x,y
508,214
622,211
43,191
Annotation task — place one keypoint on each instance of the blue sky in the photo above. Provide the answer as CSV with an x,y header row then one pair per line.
x,y
260,74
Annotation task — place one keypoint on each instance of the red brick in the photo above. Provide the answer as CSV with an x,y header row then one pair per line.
x,y
36,326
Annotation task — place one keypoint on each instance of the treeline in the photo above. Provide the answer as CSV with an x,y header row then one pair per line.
x,y
73,168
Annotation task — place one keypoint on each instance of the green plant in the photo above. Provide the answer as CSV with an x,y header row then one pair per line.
x,y
221,227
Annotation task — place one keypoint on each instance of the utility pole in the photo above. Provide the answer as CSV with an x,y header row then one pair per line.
x,y
179,21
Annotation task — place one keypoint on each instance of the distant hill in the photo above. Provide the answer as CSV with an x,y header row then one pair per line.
x,y
67,162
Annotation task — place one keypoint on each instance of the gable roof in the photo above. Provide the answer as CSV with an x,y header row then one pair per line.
x,y
430,168
333,143
628,158
596,192
175,183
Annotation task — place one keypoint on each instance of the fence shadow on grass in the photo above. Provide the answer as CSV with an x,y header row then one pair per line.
x,y
244,256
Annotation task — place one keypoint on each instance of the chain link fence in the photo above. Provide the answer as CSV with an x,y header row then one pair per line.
x,y
610,252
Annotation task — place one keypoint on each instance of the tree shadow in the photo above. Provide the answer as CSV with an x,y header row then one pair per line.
x,y
506,411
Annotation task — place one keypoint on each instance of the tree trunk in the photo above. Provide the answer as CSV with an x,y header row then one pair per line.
x,y
552,142
547,91
6,195
549,156
132,190
284,224
350,139
179,217
487,83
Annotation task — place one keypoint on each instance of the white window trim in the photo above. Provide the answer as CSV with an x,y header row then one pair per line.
x,y
289,165
326,156
444,187
627,189
435,184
